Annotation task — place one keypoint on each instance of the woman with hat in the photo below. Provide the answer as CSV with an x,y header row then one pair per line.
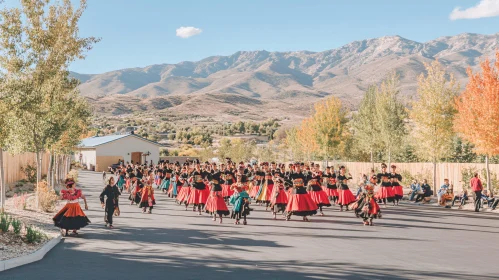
x,y
71,217
385,192
367,208
215,205
109,201
331,189
300,203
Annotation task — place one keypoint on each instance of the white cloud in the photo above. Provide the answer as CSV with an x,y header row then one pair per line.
x,y
188,31
486,8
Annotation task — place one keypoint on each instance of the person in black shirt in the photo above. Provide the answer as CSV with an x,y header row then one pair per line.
x,y
215,205
385,192
346,196
109,201
300,203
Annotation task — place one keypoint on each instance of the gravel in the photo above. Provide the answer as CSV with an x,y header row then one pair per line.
x,y
12,246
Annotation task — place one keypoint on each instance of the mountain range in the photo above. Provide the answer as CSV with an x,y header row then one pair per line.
x,y
262,84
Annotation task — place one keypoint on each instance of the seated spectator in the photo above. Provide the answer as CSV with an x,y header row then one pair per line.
x,y
486,198
443,189
446,197
415,189
427,193
462,198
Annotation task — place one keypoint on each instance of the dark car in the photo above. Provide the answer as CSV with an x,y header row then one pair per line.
x,y
112,169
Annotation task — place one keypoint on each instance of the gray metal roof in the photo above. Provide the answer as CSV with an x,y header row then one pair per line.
x,y
100,140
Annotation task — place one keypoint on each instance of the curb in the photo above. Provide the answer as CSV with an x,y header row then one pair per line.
x,y
33,257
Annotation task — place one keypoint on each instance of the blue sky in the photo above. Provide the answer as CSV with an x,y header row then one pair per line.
x,y
138,33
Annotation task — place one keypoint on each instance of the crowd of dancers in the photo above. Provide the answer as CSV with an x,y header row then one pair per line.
x,y
233,190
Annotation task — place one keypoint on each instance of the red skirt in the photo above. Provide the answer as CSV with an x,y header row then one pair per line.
x,y
216,204
331,192
346,197
301,205
270,189
398,191
71,217
198,197
280,198
183,194
385,192
227,191
320,198
374,209
254,191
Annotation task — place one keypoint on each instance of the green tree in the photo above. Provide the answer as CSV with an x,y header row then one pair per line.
x,y
433,115
390,115
365,124
38,41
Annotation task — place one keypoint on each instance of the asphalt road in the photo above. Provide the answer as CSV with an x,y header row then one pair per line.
x,y
410,242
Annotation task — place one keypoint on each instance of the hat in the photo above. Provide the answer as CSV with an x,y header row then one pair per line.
x,y
383,165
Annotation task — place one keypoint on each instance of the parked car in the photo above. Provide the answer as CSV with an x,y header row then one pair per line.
x,y
112,169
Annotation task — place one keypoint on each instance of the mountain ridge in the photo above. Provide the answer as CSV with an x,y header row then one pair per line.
x,y
292,77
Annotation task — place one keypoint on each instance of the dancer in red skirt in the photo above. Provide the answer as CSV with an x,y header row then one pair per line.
x,y
366,207
183,188
215,205
346,197
316,192
279,199
147,199
71,217
300,203
385,192
331,189
398,190
228,180
257,182
199,191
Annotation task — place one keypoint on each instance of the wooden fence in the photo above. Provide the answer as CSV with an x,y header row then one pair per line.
x,y
12,165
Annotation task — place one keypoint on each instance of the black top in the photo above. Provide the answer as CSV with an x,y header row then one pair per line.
x,y
111,193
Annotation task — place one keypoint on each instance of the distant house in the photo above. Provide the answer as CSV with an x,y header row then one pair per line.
x,y
98,153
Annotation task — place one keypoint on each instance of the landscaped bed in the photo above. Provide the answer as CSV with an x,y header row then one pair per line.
x,y
35,228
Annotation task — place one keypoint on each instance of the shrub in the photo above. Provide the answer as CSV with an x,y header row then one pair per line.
x,y
30,172
17,225
47,197
4,222
34,235
73,174
20,201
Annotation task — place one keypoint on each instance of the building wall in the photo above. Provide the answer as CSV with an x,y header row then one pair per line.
x,y
124,147
88,157
103,162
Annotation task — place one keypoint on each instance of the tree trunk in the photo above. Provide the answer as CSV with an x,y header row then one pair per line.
x,y
434,177
3,186
49,170
38,177
489,186
372,159
389,160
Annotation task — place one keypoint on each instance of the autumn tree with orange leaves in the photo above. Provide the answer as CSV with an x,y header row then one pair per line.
x,y
477,117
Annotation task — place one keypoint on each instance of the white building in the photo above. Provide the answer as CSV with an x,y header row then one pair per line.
x,y
101,152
